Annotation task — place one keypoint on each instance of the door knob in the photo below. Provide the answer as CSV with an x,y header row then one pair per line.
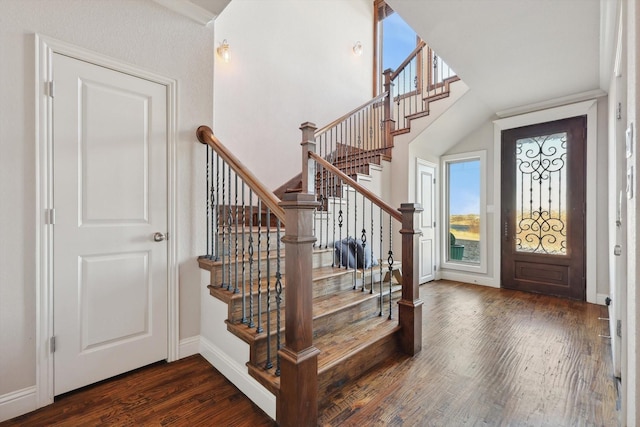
x,y
159,237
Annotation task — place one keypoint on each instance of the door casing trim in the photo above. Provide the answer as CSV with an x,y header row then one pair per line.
x,y
45,47
590,109
436,197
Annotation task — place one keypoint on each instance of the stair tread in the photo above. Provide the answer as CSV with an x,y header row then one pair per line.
x,y
336,348
322,306
207,264
321,273
337,301
327,306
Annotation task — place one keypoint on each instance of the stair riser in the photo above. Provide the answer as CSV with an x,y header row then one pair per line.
x,y
251,216
320,259
217,273
258,351
366,308
230,239
335,377
235,305
331,285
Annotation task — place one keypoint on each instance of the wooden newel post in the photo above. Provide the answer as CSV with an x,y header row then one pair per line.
x,y
308,165
410,306
297,403
389,123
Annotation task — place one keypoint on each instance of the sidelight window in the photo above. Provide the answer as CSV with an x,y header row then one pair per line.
x,y
464,242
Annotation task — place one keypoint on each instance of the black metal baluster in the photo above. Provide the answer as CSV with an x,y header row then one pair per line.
x,y
209,248
381,260
223,223
347,222
398,122
364,242
244,256
269,363
217,207
251,314
229,229
327,194
235,284
390,261
316,184
372,253
340,221
355,239
278,299
415,85
317,213
259,328
333,216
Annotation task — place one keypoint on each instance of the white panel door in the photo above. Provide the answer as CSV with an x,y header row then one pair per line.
x,y
425,195
110,197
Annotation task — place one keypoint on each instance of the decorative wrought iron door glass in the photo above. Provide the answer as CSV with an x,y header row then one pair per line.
x,y
541,194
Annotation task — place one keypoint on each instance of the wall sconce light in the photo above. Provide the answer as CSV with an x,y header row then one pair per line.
x,y
357,49
223,51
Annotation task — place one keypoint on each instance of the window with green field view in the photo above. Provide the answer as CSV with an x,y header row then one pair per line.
x,y
463,210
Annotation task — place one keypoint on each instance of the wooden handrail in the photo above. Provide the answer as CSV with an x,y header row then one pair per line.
x,y
412,55
205,136
350,113
374,199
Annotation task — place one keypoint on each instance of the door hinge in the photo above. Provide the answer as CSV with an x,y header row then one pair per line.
x,y
435,268
50,216
434,180
619,328
434,224
52,344
50,89
619,111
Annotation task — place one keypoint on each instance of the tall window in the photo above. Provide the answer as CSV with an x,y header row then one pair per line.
x,y
465,239
394,40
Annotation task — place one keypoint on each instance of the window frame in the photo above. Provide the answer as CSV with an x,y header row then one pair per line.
x,y
447,263
381,10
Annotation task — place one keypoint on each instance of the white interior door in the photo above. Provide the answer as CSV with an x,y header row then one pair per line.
x,y
425,195
110,197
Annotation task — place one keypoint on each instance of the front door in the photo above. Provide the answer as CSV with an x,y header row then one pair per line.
x,y
543,214
110,198
425,195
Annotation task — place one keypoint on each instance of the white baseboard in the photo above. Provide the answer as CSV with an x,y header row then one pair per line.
x,y
469,278
189,347
601,299
237,373
17,403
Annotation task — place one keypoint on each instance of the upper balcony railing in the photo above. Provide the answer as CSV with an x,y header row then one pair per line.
x,y
421,78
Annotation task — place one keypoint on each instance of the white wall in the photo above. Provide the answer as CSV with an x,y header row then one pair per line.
x,y
288,65
141,33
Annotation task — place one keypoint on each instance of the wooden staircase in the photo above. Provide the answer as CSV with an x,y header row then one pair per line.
x,y
348,329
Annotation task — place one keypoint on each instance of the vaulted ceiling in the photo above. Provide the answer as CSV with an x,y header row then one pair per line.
x,y
517,52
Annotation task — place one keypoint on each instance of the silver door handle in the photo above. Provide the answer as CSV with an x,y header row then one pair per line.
x,y
159,237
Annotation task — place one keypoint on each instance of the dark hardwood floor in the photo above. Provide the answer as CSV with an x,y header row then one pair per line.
x,y
491,357
189,392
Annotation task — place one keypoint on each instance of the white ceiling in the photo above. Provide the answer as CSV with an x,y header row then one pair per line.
x,y
513,52
214,6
